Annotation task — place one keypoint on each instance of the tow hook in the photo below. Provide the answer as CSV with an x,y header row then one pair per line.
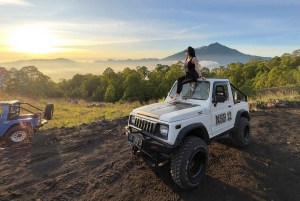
x,y
127,130
134,150
154,160
163,163
155,163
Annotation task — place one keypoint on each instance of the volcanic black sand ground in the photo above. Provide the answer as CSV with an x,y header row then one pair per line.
x,y
94,162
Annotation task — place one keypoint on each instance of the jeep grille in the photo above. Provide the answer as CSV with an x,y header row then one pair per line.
x,y
145,125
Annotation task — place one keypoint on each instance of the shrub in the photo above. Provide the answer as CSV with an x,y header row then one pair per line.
x,y
248,90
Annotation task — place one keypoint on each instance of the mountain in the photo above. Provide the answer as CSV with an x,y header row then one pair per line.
x,y
217,53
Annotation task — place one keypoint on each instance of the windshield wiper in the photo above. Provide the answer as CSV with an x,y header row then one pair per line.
x,y
188,97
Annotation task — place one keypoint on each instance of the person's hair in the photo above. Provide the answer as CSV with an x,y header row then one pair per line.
x,y
191,51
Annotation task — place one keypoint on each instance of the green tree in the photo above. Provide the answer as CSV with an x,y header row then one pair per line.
x,y
214,72
91,85
143,71
28,81
110,94
205,72
155,79
176,71
134,88
261,80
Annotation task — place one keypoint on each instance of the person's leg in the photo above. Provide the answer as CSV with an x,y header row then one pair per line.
x,y
182,81
179,84
189,78
179,88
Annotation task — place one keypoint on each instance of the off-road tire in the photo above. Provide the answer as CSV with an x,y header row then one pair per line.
x,y
184,166
15,131
241,137
49,111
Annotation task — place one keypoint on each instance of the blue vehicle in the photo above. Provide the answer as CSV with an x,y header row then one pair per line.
x,y
17,127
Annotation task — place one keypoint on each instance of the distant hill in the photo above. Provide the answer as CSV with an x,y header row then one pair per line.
x,y
32,62
215,52
60,68
128,60
211,56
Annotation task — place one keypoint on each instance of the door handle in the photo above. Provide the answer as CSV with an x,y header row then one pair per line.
x,y
229,105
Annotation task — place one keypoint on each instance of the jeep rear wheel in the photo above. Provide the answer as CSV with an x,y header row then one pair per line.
x,y
15,135
242,135
189,163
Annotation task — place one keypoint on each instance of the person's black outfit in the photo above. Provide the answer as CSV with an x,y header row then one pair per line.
x,y
191,75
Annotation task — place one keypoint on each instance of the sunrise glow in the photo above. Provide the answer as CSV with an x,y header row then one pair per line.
x,y
33,40
102,30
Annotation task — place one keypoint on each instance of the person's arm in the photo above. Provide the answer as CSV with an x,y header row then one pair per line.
x,y
197,67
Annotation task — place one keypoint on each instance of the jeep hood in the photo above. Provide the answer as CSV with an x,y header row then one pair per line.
x,y
170,111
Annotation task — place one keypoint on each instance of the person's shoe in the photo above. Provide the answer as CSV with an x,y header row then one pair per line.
x,y
175,99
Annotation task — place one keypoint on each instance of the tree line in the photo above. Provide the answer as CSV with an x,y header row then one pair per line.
x,y
141,84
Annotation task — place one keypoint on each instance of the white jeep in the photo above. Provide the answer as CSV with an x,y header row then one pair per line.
x,y
208,110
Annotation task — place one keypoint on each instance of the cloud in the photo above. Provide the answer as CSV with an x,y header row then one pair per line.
x,y
88,34
266,51
15,2
255,2
209,64
190,29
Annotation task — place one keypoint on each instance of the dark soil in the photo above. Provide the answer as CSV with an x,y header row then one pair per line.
x,y
94,162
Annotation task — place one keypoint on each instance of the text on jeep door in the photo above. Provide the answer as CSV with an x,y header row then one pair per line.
x,y
223,117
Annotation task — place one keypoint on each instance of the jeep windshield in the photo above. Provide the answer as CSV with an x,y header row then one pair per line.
x,y
194,90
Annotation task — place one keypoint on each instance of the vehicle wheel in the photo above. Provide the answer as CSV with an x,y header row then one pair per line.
x,y
15,135
241,137
189,163
49,111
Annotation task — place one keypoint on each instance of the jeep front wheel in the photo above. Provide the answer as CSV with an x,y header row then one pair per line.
x,y
189,163
15,135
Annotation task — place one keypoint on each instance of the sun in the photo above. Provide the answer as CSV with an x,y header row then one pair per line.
x,y
33,40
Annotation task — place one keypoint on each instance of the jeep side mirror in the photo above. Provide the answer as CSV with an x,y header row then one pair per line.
x,y
219,99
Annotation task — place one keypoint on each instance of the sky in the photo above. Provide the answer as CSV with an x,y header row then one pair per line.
x,y
119,29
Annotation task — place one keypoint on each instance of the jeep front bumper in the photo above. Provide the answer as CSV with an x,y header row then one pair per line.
x,y
145,143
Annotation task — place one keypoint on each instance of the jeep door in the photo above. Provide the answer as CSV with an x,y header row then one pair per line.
x,y
221,112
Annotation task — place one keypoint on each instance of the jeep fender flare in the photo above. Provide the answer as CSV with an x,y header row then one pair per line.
x,y
239,114
16,124
203,134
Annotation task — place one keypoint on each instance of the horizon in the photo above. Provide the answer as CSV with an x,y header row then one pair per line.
x,y
121,30
125,59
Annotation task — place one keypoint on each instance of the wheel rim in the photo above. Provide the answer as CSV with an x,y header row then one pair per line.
x,y
18,136
246,134
197,166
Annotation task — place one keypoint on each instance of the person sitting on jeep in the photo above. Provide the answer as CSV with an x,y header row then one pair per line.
x,y
192,73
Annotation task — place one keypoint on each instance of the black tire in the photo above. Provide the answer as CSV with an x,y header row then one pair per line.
x,y
241,137
16,135
49,111
189,163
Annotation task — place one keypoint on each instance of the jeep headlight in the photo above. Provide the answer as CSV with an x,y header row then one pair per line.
x,y
163,129
132,120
